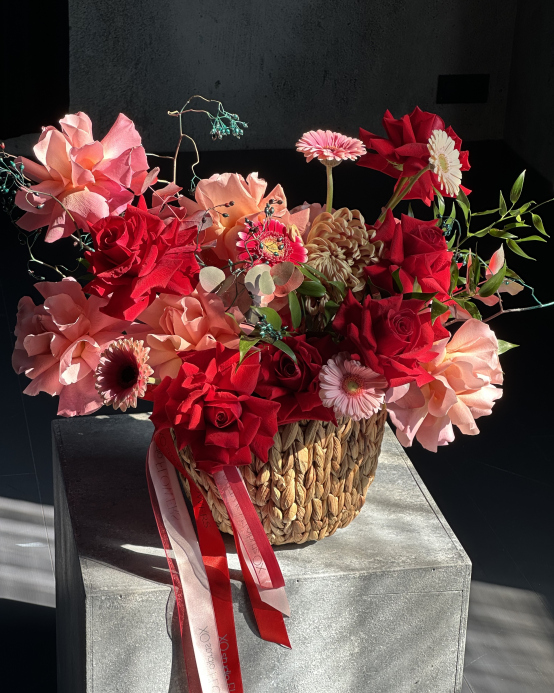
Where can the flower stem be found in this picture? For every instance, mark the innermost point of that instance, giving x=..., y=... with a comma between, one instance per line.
x=329, y=203
x=401, y=192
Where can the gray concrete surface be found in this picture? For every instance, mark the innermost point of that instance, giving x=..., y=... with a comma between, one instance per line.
x=288, y=67
x=380, y=606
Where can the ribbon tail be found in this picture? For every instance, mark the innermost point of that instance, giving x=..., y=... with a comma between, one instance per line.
x=193, y=579
x=214, y=557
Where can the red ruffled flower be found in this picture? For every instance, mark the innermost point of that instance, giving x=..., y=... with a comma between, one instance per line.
x=295, y=386
x=211, y=407
x=404, y=151
x=390, y=335
x=419, y=250
x=137, y=256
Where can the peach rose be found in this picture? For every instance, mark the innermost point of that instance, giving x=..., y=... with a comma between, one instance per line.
x=250, y=200
x=194, y=322
x=59, y=344
x=466, y=370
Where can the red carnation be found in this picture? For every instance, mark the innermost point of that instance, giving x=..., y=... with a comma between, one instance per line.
x=390, y=335
x=404, y=151
x=294, y=385
x=211, y=408
x=137, y=256
x=418, y=249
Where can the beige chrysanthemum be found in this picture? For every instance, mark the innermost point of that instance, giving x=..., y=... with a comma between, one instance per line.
x=339, y=246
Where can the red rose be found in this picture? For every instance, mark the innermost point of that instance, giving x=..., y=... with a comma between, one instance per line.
x=404, y=152
x=294, y=385
x=137, y=256
x=419, y=250
x=211, y=408
x=390, y=335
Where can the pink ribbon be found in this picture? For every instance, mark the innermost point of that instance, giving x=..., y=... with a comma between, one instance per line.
x=192, y=573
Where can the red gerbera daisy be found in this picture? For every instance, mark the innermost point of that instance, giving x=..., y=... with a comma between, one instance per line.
x=270, y=242
x=122, y=374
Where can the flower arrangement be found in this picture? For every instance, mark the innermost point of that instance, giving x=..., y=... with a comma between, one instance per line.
x=322, y=314
x=236, y=315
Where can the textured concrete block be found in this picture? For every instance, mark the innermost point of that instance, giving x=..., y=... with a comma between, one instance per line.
x=381, y=606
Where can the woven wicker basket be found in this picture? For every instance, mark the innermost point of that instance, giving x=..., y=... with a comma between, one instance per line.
x=315, y=481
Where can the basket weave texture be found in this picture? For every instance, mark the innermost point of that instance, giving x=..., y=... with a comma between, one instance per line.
x=314, y=482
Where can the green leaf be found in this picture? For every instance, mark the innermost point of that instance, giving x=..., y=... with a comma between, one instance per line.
x=311, y=272
x=440, y=201
x=272, y=316
x=454, y=275
x=513, y=246
x=505, y=346
x=470, y=307
x=532, y=238
x=510, y=273
x=410, y=210
x=482, y=214
x=493, y=283
x=285, y=349
x=397, y=281
x=295, y=310
x=480, y=234
x=474, y=272
x=451, y=242
x=517, y=187
x=437, y=309
x=502, y=205
x=340, y=286
x=420, y=296
x=516, y=225
x=315, y=289
x=452, y=213
x=245, y=344
x=499, y=233
x=86, y=263
x=435, y=211
x=537, y=223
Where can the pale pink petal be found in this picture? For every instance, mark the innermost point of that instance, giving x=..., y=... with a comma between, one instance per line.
x=435, y=432
x=48, y=381
x=77, y=128
x=32, y=169
x=80, y=398
x=122, y=136
x=88, y=156
x=52, y=150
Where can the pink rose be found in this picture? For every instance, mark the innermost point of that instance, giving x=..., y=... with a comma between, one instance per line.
x=59, y=344
x=176, y=324
x=92, y=179
x=465, y=373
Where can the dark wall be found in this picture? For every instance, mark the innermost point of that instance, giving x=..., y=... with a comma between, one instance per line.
x=35, y=65
x=530, y=110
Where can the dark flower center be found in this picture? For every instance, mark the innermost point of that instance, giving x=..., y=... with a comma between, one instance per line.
x=128, y=376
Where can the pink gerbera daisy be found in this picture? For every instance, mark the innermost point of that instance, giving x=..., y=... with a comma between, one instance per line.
x=270, y=242
x=122, y=373
x=329, y=146
x=351, y=389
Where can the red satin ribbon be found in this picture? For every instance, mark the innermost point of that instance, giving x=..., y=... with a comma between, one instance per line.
x=270, y=621
x=253, y=535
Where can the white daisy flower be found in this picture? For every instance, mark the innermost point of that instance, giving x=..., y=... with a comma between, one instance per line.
x=445, y=160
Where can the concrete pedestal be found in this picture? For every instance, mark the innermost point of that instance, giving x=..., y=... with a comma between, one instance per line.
x=381, y=606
